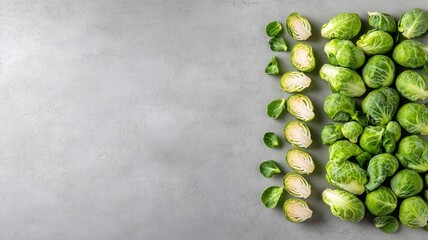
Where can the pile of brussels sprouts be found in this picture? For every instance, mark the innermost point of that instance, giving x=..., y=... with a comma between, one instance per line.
x=373, y=163
x=296, y=132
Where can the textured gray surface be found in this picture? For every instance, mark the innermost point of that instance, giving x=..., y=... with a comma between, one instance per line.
x=143, y=120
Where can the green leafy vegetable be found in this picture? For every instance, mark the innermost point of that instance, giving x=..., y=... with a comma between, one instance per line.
x=342, y=26
x=371, y=139
x=296, y=210
x=271, y=140
x=379, y=71
x=346, y=175
x=341, y=108
x=269, y=168
x=387, y=224
x=271, y=196
x=297, y=133
x=380, y=105
x=413, y=153
x=302, y=57
x=381, y=201
x=344, y=205
x=301, y=107
x=292, y=82
x=330, y=133
x=412, y=85
x=413, y=23
x=413, y=212
x=343, y=150
x=382, y=21
x=380, y=167
x=278, y=44
x=376, y=42
x=344, y=53
x=352, y=130
x=406, y=183
x=343, y=80
x=272, y=67
x=413, y=117
x=411, y=54
x=273, y=28
x=300, y=161
x=275, y=108
x=394, y=128
x=298, y=26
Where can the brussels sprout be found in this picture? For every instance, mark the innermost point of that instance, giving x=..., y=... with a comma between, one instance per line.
x=330, y=133
x=271, y=140
x=371, y=139
x=413, y=212
x=339, y=108
x=380, y=105
x=376, y=42
x=413, y=153
x=273, y=28
x=363, y=159
x=413, y=23
x=388, y=142
x=271, y=196
x=411, y=54
x=406, y=183
x=352, y=130
x=380, y=167
x=298, y=26
x=343, y=80
x=394, y=128
x=342, y=150
x=300, y=161
x=342, y=26
x=381, y=201
x=294, y=82
x=382, y=21
x=344, y=53
x=302, y=57
x=346, y=175
x=301, y=107
x=272, y=67
x=296, y=210
x=344, y=205
x=297, y=185
x=412, y=85
x=275, y=108
x=277, y=44
x=269, y=168
x=297, y=133
x=413, y=117
x=379, y=71
x=387, y=224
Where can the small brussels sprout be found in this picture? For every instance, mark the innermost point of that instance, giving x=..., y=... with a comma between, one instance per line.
x=394, y=128
x=343, y=150
x=376, y=42
x=339, y=108
x=413, y=23
x=344, y=205
x=412, y=85
x=406, y=183
x=387, y=224
x=302, y=57
x=343, y=80
x=346, y=175
x=380, y=105
x=275, y=108
x=269, y=168
x=344, y=53
x=371, y=139
x=298, y=26
x=352, y=130
x=300, y=161
x=379, y=71
x=296, y=210
x=297, y=133
x=413, y=117
x=273, y=28
x=381, y=201
x=271, y=196
x=413, y=212
x=411, y=54
x=301, y=107
x=292, y=82
x=342, y=26
x=271, y=140
x=277, y=44
x=330, y=133
x=382, y=21
x=296, y=185
x=380, y=167
x=412, y=153
x=272, y=67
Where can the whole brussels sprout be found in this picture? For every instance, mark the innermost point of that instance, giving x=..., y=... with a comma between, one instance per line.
x=298, y=26
x=376, y=42
x=302, y=57
x=387, y=224
x=380, y=167
x=300, y=161
x=297, y=133
x=413, y=117
x=344, y=53
x=406, y=183
x=413, y=212
x=343, y=80
x=411, y=54
x=330, y=133
x=379, y=71
x=294, y=81
x=346, y=175
x=382, y=21
x=300, y=106
x=380, y=105
x=342, y=26
x=343, y=150
x=413, y=153
x=412, y=85
x=371, y=139
x=352, y=130
x=339, y=108
x=413, y=23
x=381, y=201
x=344, y=205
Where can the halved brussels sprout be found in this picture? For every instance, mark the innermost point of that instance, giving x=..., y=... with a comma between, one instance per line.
x=380, y=105
x=381, y=201
x=413, y=23
x=376, y=42
x=406, y=183
x=371, y=139
x=387, y=224
x=302, y=57
x=346, y=175
x=380, y=167
x=297, y=133
x=301, y=107
x=344, y=53
x=292, y=82
x=343, y=80
x=342, y=26
x=379, y=71
x=411, y=54
x=296, y=210
x=344, y=205
x=298, y=26
x=296, y=185
x=412, y=85
x=413, y=212
x=300, y=161
x=382, y=21
x=352, y=130
x=413, y=117
x=343, y=150
x=413, y=153
x=330, y=133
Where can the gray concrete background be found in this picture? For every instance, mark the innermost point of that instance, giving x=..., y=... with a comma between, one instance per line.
x=143, y=120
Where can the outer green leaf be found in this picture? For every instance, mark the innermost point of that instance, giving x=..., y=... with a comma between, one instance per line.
x=387, y=224
x=278, y=44
x=272, y=67
x=273, y=28
x=344, y=205
x=271, y=196
x=275, y=108
x=269, y=168
x=271, y=140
